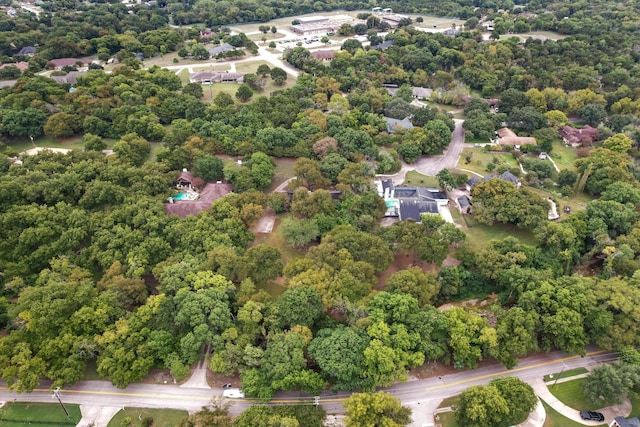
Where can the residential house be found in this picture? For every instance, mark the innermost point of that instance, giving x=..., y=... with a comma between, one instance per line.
x=70, y=78
x=184, y=179
x=464, y=204
x=578, y=137
x=410, y=203
x=451, y=32
x=209, y=77
x=19, y=65
x=394, y=125
x=421, y=92
x=58, y=64
x=383, y=46
x=206, y=34
x=220, y=49
x=625, y=422
x=27, y=51
x=392, y=19
x=507, y=176
x=508, y=137
x=324, y=55
x=210, y=193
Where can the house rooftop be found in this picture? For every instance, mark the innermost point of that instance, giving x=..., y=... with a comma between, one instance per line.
x=393, y=123
x=627, y=422
x=464, y=201
x=209, y=194
x=413, y=209
x=219, y=49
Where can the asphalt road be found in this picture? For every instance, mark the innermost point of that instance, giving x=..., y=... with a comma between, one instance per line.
x=423, y=396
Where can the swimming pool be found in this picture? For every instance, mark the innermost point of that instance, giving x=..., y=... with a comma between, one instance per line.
x=183, y=195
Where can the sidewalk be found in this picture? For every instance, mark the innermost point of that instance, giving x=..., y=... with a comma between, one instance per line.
x=542, y=390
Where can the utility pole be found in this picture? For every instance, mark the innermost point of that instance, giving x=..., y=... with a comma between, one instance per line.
x=56, y=393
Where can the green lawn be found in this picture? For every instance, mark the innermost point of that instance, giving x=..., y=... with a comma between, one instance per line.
x=478, y=235
x=555, y=419
x=565, y=374
x=570, y=393
x=480, y=160
x=417, y=179
x=564, y=156
x=161, y=417
x=448, y=419
x=269, y=36
x=20, y=414
x=577, y=202
x=635, y=406
x=284, y=171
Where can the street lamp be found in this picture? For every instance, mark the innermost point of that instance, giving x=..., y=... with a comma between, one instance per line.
x=56, y=393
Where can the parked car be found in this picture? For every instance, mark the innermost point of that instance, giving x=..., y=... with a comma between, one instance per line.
x=591, y=416
x=233, y=393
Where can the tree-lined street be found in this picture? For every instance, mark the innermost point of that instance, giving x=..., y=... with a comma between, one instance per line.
x=422, y=396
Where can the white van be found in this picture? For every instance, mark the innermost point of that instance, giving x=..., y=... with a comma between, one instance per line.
x=233, y=393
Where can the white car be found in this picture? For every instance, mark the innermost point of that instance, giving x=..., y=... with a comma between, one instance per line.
x=233, y=393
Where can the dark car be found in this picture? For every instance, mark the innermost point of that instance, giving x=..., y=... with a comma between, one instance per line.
x=592, y=416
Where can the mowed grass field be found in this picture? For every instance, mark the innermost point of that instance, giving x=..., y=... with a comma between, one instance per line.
x=20, y=414
x=570, y=393
x=161, y=417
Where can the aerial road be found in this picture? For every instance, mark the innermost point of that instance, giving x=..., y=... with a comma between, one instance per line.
x=423, y=396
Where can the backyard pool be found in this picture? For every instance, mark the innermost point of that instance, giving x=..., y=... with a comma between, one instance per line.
x=185, y=195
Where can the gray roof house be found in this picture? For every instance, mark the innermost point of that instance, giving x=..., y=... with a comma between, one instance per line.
x=27, y=50
x=625, y=422
x=413, y=209
x=384, y=45
x=220, y=49
x=392, y=124
x=71, y=77
x=464, y=204
x=410, y=202
x=507, y=176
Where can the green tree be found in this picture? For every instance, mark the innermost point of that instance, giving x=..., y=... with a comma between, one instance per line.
x=299, y=232
x=482, y=406
x=93, y=142
x=132, y=148
x=612, y=382
x=339, y=353
x=27, y=122
x=376, y=409
x=517, y=336
x=208, y=167
x=262, y=169
x=244, y=93
x=619, y=142
x=62, y=125
x=446, y=180
x=298, y=306
x=278, y=75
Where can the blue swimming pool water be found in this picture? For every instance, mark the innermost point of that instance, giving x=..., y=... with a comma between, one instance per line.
x=181, y=196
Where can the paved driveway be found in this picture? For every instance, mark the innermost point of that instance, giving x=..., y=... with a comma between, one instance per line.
x=431, y=165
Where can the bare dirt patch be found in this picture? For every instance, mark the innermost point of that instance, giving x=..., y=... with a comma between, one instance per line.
x=438, y=369
x=266, y=222
x=402, y=262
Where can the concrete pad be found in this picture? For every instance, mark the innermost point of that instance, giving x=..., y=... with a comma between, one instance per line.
x=97, y=416
x=536, y=417
x=198, y=379
x=445, y=213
